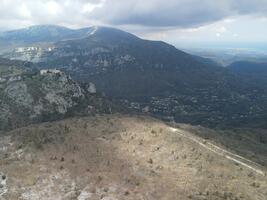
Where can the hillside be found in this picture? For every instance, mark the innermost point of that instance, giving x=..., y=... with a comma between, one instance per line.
x=38, y=36
x=14, y=67
x=123, y=157
x=110, y=53
x=164, y=81
x=133, y=100
x=154, y=77
x=252, y=68
x=31, y=97
x=254, y=72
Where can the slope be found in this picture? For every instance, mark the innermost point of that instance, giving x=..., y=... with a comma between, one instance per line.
x=119, y=157
x=31, y=97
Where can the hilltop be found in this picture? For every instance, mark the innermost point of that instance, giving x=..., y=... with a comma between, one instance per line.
x=124, y=157
x=32, y=97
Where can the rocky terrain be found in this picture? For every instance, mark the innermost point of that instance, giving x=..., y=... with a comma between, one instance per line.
x=60, y=138
x=43, y=96
x=13, y=67
x=124, y=157
x=150, y=76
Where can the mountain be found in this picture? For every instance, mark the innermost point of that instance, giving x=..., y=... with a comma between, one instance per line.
x=160, y=79
x=43, y=33
x=63, y=134
x=154, y=77
x=38, y=38
x=31, y=97
x=128, y=157
x=132, y=65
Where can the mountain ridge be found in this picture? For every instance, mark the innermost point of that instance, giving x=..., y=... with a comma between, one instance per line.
x=155, y=77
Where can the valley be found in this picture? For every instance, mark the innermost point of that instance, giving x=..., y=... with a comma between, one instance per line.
x=99, y=113
x=149, y=76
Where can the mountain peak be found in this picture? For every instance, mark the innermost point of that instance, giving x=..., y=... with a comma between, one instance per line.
x=93, y=30
x=55, y=33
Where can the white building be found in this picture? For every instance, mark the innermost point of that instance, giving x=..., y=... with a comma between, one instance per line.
x=50, y=71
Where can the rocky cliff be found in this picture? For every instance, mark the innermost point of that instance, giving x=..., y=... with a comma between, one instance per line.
x=43, y=96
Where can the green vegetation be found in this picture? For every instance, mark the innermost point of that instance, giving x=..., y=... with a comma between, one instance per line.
x=9, y=70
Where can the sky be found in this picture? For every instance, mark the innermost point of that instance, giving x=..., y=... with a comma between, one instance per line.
x=194, y=23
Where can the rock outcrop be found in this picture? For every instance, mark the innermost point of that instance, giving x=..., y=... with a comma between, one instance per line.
x=37, y=97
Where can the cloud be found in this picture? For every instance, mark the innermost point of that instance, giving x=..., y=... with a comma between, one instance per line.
x=18, y=13
x=183, y=13
x=144, y=13
x=178, y=13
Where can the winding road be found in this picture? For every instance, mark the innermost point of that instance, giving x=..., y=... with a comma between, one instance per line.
x=221, y=152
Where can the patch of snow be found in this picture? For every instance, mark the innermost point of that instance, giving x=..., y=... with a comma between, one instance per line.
x=3, y=184
x=50, y=187
x=84, y=195
x=95, y=28
x=173, y=129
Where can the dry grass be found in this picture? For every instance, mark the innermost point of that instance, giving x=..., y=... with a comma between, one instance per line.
x=120, y=157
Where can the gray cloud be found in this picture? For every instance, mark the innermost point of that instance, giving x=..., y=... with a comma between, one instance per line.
x=20, y=13
x=178, y=13
x=149, y=13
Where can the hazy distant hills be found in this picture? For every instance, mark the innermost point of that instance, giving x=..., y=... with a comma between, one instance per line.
x=226, y=57
x=148, y=76
x=42, y=33
x=255, y=72
x=40, y=37
x=246, y=67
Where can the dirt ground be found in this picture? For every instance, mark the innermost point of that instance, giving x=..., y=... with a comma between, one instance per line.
x=119, y=157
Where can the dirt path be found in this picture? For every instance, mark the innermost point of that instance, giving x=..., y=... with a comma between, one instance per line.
x=222, y=152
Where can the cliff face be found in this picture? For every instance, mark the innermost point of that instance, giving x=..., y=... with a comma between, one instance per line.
x=50, y=95
x=33, y=97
